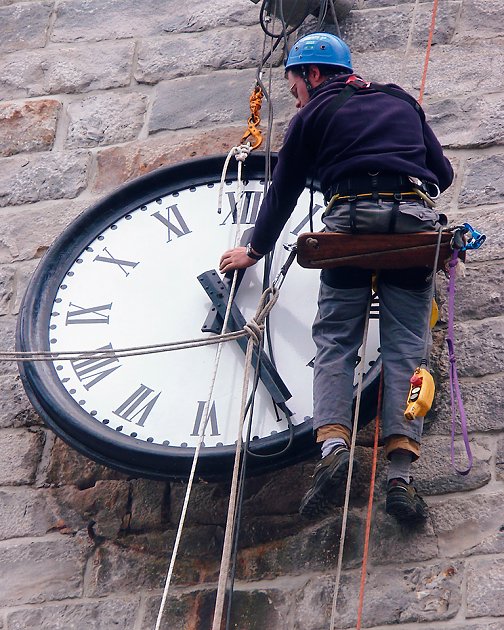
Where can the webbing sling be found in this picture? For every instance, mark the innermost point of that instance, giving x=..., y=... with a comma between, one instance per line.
x=354, y=84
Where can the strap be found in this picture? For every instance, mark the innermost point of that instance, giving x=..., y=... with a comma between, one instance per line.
x=353, y=214
x=393, y=215
x=454, y=383
x=355, y=84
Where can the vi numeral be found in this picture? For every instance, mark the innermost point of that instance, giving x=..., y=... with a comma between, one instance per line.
x=212, y=418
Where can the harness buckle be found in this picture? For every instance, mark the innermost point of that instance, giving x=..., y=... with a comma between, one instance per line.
x=357, y=82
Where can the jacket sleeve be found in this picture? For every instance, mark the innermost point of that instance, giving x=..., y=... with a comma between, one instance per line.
x=435, y=159
x=288, y=182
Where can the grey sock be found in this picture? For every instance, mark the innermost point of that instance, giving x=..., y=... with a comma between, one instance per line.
x=399, y=466
x=330, y=444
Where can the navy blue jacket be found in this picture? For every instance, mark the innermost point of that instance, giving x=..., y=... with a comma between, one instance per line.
x=372, y=131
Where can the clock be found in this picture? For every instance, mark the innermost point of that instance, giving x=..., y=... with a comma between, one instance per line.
x=138, y=269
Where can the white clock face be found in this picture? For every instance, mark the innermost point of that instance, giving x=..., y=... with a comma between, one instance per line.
x=137, y=284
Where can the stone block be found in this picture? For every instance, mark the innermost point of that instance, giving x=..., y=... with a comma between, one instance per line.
x=148, y=504
x=469, y=525
x=479, y=20
x=377, y=28
x=29, y=126
x=485, y=588
x=116, y=165
x=180, y=610
x=24, y=26
x=489, y=220
x=67, y=466
x=97, y=615
x=483, y=121
x=222, y=102
x=24, y=272
x=483, y=403
x=27, y=232
x=479, y=293
x=21, y=451
x=105, y=119
x=392, y=542
x=97, y=19
x=43, y=570
x=393, y=596
x=188, y=54
x=433, y=471
x=7, y=274
x=103, y=509
x=387, y=27
x=7, y=337
x=313, y=548
x=499, y=459
x=448, y=77
x=482, y=183
x=39, y=177
x=16, y=410
x=24, y=512
x=66, y=69
x=120, y=566
x=479, y=346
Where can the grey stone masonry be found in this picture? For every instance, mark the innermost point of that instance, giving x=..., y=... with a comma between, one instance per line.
x=95, y=93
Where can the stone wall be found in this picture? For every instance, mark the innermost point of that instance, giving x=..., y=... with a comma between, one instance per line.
x=96, y=92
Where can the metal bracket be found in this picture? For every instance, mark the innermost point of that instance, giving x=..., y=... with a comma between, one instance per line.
x=219, y=294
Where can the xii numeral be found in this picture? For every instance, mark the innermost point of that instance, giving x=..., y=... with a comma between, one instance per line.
x=212, y=418
x=250, y=207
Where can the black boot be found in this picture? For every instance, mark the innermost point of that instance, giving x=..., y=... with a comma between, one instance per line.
x=404, y=502
x=329, y=481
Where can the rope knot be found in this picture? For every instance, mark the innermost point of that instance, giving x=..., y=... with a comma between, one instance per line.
x=254, y=330
x=242, y=152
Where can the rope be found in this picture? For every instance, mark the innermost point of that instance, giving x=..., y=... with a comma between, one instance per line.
x=240, y=156
x=266, y=304
x=427, y=52
x=369, y=516
x=350, y=469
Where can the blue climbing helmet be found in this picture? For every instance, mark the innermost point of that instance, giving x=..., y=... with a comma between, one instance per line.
x=320, y=48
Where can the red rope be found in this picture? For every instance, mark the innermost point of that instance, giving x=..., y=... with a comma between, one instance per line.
x=367, y=535
x=427, y=52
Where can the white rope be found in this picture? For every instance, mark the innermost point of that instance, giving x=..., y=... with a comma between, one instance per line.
x=206, y=415
x=337, y=579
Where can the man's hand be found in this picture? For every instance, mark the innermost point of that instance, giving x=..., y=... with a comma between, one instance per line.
x=235, y=259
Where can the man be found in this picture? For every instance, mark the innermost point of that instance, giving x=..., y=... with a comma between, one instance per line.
x=362, y=147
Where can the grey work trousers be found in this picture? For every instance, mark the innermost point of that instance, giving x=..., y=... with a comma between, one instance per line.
x=339, y=325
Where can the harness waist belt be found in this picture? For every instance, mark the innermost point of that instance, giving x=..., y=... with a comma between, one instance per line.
x=366, y=184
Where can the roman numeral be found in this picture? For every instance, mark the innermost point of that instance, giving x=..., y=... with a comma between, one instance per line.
x=93, y=370
x=306, y=221
x=80, y=313
x=134, y=407
x=199, y=418
x=174, y=221
x=250, y=207
x=116, y=261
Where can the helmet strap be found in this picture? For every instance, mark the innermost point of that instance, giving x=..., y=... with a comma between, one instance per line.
x=304, y=75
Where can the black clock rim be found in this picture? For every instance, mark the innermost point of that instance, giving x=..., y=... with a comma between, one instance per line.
x=65, y=417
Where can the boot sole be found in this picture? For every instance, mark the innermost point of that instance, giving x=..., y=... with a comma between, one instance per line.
x=404, y=510
x=328, y=491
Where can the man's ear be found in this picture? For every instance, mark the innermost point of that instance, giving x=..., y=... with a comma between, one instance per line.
x=314, y=73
